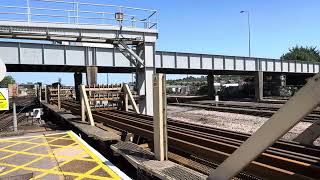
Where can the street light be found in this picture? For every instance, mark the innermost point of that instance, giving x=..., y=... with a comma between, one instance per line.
x=248, y=15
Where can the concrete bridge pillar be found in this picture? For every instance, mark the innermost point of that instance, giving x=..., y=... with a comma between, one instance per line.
x=258, y=85
x=77, y=81
x=91, y=75
x=211, y=89
x=144, y=82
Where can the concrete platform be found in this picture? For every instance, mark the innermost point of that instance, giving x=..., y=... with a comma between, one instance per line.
x=53, y=156
x=144, y=160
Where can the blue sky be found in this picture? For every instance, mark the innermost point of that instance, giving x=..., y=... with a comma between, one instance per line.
x=217, y=27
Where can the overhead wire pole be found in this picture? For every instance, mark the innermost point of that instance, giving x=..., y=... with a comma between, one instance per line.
x=28, y=11
x=249, y=30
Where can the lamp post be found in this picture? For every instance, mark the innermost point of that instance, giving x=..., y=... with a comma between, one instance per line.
x=249, y=40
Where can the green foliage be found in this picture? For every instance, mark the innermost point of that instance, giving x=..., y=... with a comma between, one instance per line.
x=7, y=80
x=310, y=54
x=190, y=80
x=202, y=80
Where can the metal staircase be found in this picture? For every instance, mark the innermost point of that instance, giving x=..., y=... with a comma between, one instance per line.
x=129, y=53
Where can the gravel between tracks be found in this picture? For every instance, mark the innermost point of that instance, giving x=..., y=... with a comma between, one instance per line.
x=229, y=121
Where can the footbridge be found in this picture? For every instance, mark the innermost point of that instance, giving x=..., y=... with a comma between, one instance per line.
x=32, y=57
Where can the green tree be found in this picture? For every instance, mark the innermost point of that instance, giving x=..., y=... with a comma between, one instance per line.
x=310, y=54
x=7, y=80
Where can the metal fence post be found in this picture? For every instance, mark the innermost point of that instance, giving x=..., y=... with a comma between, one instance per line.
x=83, y=112
x=15, y=121
x=46, y=93
x=59, y=100
x=40, y=93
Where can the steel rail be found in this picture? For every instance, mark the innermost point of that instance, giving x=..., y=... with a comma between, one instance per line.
x=273, y=151
x=306, y=169
x=222, y=150
x=243, y=110
x=255, y=168
x=288, y=148
x=258, y=106
x=310, y=152
x=6, y=119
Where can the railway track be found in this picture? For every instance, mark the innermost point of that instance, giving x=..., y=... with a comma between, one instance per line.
x=284, y=160
x=6, y=117
x=246, y=108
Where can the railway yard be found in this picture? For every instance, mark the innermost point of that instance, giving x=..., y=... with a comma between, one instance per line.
x=24, y=104
x=266, y=125
x=196, y=144
x=201, y=135
x=242, y=123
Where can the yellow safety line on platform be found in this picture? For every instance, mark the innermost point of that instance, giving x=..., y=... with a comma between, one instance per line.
x=103, y=166
x=4, y=149
x=54, y=170
x=25, y=142
x=23, y=151
x=88, y=172
x=20, y=142
x=21, y=166
x=60, y=164
x=42, y=155
x=35, y=136
x=57, y=172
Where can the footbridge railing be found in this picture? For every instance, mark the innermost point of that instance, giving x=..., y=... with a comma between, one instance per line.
x=75, y=12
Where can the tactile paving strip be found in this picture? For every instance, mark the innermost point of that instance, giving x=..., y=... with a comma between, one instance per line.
x=51, y=156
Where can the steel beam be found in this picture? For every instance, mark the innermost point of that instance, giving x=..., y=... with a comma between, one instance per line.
x=31, y=57
x=299, y=106
x=130, y=54
x=128, y=95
